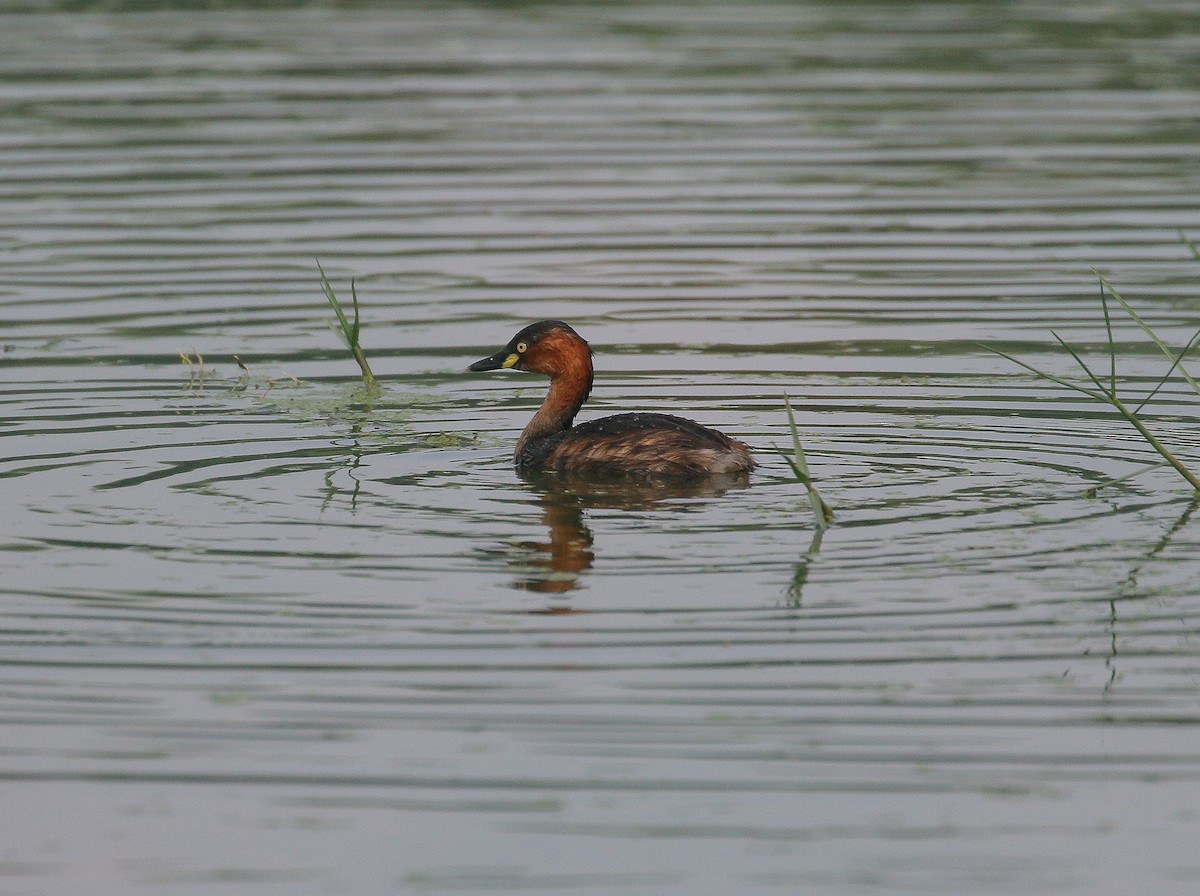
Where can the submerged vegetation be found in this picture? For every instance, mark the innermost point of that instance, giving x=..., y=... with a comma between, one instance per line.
x=196, y=370
x=1103, y=387
x=200, y=375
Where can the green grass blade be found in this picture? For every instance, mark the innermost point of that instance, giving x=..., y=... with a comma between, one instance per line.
x=1190, y=245
x=1099, y=396
x=1108, y=394
x=1148, y=331
x=1091, y=492
x=354, y=329
x=800, y=460
x=1112, y=349
x=800, y=474
x=821, y=510
x=349, y=332
x=345, y=330
x=1112, y=399
x=1158, y=446
x=1080, y=362
x=1187, y=348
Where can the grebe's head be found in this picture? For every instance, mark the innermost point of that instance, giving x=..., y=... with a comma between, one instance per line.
x=549, y=346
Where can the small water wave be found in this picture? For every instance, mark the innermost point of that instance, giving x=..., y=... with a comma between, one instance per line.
x=246, y=603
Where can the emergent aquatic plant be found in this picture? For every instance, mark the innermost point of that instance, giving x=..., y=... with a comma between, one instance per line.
x=822, y=511
x=1104, y=388
x=349, y=331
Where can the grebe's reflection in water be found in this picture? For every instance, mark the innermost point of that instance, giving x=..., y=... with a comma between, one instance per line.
x=558, y=565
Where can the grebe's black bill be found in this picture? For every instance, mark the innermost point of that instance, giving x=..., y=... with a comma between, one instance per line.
x=503, y=359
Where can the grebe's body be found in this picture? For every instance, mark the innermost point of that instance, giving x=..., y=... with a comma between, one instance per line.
x=622, y=445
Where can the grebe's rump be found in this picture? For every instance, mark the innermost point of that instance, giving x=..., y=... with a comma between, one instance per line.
x=622, y=445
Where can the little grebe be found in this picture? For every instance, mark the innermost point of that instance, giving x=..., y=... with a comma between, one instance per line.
x=624, y=444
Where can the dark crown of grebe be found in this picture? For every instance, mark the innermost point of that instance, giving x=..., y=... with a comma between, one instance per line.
x=645, y=445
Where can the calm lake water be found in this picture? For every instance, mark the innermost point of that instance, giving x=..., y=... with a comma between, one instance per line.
x=263, y=633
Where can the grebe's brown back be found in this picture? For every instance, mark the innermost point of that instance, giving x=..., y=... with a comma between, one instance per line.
x=624, y=444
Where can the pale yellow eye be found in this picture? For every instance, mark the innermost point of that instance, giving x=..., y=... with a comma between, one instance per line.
x=521, y=348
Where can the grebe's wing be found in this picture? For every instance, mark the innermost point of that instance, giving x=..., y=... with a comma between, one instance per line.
x=648, y=444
